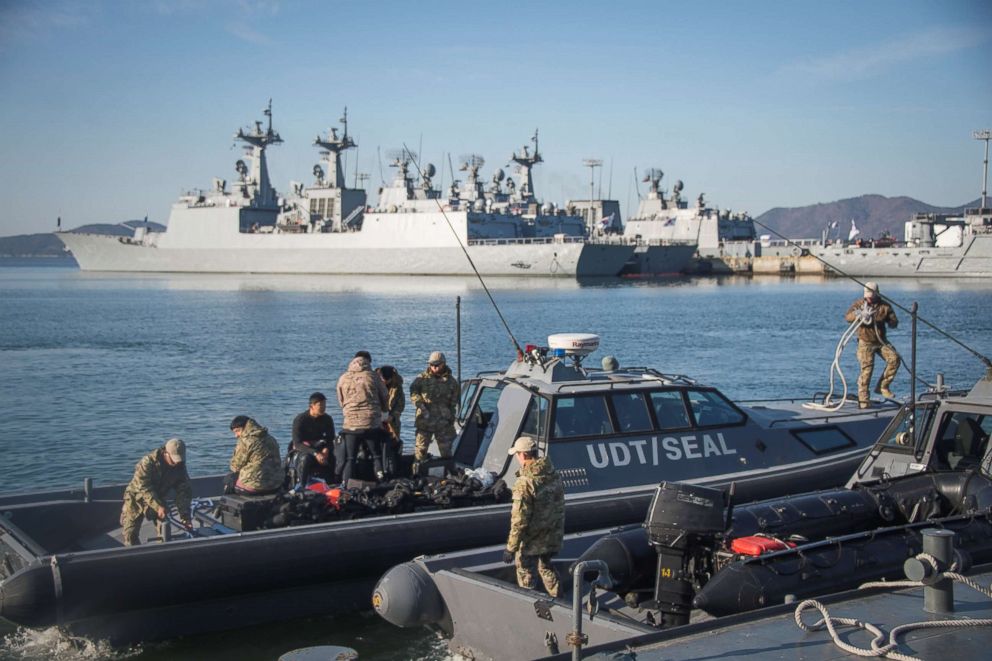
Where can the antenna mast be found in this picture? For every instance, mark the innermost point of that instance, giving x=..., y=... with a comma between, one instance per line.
x=985, y=135
x=592, y=164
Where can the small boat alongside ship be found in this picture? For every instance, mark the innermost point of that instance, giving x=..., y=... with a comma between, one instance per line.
x=696, y=554
x=327, y=228
x=613, y=436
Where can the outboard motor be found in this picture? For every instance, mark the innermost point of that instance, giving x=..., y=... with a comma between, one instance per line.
x=683, y=524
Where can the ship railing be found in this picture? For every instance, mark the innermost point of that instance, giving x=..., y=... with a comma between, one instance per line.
x=523, y=241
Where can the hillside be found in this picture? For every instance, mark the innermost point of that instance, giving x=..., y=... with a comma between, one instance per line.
x=47, y=245
x=873, y=215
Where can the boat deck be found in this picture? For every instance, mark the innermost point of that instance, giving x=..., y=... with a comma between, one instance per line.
x=773, y=633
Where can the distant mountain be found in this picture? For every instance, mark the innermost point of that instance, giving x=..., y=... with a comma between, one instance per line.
x=873, y=215
x=47, y=245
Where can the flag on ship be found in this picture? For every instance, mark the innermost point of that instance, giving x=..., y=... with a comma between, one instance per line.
x=854, y=231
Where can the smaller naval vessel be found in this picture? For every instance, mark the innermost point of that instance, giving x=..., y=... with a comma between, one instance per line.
x=327, y=227
x=612, y=434
x=724, y=240
x=698, y=554
x=934, y=245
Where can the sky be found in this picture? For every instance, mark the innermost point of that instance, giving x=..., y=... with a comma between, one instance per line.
x=111, y=110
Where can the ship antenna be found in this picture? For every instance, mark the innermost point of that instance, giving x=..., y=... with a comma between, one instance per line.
x=985, y=360
x=516, y=345
x=985, y=135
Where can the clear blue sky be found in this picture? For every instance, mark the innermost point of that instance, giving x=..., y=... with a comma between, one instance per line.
x=111, y=109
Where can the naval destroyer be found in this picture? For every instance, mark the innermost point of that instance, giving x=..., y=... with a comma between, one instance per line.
x=327, y=228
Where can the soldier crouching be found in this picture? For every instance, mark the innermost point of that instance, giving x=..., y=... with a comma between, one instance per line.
x=157, y=473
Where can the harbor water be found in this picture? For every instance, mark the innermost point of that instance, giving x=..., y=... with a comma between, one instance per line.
x=99, y=368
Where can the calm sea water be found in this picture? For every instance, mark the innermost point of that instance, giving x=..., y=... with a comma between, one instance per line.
x=97, y=369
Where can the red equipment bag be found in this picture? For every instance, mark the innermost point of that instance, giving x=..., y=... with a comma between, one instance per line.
x=757, y=545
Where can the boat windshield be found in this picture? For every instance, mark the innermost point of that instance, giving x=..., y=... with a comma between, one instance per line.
x=963, y=441
x=899, y=434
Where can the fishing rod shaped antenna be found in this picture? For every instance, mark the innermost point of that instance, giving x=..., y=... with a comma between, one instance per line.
x=516, y=345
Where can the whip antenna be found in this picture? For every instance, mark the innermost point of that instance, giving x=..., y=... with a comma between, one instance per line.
x=516, y=345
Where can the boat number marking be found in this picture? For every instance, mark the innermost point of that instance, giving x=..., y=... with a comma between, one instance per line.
x=649, y=451
x=666, y=572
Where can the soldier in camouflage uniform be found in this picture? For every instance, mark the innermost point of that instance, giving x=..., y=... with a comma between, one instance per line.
x=158, y=473
x=256, y=459
x=871, y=341
x=395, y=403
x=537, y=520
x=435, y=393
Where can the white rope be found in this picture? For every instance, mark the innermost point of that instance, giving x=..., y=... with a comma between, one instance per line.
x=879, y=647
x=835, y=367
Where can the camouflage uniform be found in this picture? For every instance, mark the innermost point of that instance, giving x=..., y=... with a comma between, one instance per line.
x=436, y=418
x=395, y=403
x=256, y=460
x=871, y=341
x=537, y=523
x=145, y=493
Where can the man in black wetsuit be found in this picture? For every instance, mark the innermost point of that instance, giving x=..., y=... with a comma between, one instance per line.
x=310, y=428
x=316, y=464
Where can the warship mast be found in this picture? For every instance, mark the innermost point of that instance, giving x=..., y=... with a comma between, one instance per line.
x=258, y=140
x=526, y=161
x=331, y=144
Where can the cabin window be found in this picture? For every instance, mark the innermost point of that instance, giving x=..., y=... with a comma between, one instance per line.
x=631, y=411
x=828, y=439
x=899, y=435
x=669, y=409
x=468, y=393
x=581, y=416
x=711, y=408
x=964, y=439
x=478, y=426
x=536, y=422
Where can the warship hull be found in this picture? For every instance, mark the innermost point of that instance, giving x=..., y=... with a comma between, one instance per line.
x=339, y=254
x=973, y=260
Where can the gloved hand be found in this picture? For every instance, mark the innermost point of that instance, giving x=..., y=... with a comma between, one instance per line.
x=508, y=556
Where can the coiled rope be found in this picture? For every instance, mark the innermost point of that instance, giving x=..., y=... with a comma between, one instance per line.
x=879, y=646
x=851, y=331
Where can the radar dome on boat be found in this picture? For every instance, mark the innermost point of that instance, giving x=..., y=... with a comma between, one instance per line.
x=574, y=344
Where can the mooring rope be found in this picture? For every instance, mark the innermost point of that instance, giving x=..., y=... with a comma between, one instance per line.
x=879, y=646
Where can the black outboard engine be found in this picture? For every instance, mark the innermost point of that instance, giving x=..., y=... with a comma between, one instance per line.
x=683, y=524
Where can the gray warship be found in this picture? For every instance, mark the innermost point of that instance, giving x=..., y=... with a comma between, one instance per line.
x=933, y=245
x=723, y=239
x=326, y=228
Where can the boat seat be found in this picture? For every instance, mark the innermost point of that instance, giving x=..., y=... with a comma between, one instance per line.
x=969, y=445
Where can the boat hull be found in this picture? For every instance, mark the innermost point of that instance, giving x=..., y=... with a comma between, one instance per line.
x=335, y=254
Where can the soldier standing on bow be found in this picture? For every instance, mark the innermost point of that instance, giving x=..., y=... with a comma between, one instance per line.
x=875, y=315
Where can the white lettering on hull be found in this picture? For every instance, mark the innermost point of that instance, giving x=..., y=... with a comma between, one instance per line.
x=673, y=448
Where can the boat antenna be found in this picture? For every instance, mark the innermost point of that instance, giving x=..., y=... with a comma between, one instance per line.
x=637, y=186
x=985, y=360
x=516, y=345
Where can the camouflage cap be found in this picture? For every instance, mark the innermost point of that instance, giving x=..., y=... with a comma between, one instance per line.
x=523, y=444
x=176, y=449
x=437, y=358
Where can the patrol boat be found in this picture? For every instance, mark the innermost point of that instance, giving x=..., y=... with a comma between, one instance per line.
x=612, y=435
x=326, y=228
x=931, y=468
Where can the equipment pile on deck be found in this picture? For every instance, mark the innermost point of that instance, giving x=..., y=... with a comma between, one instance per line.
x=320, y=503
